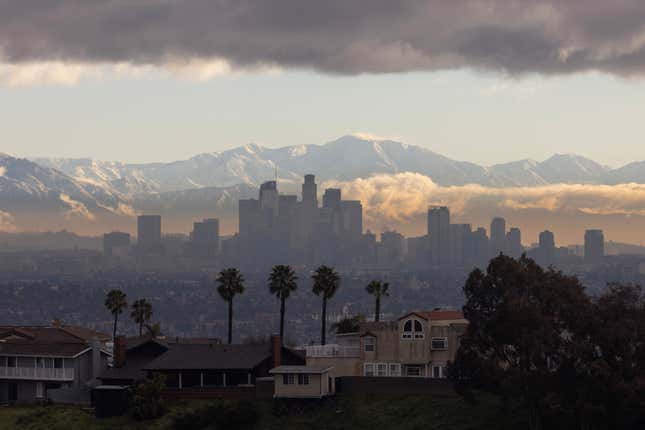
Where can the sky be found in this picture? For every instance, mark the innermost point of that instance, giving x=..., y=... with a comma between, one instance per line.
x=483, y=81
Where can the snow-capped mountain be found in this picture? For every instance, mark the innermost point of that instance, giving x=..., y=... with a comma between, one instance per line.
x=210, y=184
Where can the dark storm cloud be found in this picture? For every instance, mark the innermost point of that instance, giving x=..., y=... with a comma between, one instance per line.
x=336, y=36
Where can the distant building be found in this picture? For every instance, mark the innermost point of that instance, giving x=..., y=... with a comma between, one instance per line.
x=498, y=236
x=149, y=233
x=205, y=238
x=594, y=246
x=269, y=197
x=514, y=242
x=546, y=248
x=439, y=232
x=460, y=244
x=331, y=198
x=481, y=247
x=352, y=218
x=115, y=243
x=391, y=248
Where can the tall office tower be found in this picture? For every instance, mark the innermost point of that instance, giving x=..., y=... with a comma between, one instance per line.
x=594, y=246
x=546, y=248
x=115, y=243
x=498, y=236
x=439, y=232
x=460, y=243
x=514, y=242
x=248, y=217
x=481, y=247
x=149, y=232
x=331, y=198
x=205, y=238
x=310, y=192
x=269, y=197
x=391, y=249
x=352, y=219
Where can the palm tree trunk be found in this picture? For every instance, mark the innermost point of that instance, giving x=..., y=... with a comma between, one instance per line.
x=230, y=321
x=324, y=321
x=282, y=300
x=377, y=310
x=140, y=329
x=116, y=317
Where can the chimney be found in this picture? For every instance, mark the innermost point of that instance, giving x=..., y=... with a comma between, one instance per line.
x=276, y=350
x=119, y=351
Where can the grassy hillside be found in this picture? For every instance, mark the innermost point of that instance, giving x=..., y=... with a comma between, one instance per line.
x=364, y=412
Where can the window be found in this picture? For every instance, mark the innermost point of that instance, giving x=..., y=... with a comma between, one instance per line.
x=412, y=329
x=413, y=371
x=12, y=362
x=381, y=369
x=395, y=369
x=58, y=363
x=439, y=343
x=288, y=379
x=3, y=361
x=303, y=379
x=437, y=372
x=370, y=344
x=40, y=390
x=368, y=369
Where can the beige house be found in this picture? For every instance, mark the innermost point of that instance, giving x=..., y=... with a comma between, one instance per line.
x=419, y=344
x=303, y=382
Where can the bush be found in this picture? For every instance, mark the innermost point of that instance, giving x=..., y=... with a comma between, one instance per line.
x=219, y=415
x=146, y=402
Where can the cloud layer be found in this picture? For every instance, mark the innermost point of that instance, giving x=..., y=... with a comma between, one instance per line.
x=401, y=201
x=334, y=36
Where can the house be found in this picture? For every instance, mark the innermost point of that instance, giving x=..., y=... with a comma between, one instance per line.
x=419, y=344
x=204, y=367
x=303, y=382
x=131, y=355
x=37, y=361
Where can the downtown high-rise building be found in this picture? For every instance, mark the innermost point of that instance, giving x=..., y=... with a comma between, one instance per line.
x=498, y=236
x=594, y=246
x=205, y=238
x=546, y=248
x=514, y=242
x=439, y=235
x=149, y=233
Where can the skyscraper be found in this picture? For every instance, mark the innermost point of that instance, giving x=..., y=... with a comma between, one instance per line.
x=498, y=236
x=269, y=197
x=514, y=242
x=115, y=240
x=546, y=248
x=439, y=232
x=310, y=192
x=149, y=232
x=352, y=219
x=460, y=243
x=205, y=238
x=594, y=246
x=481, y=247
x=331, y=198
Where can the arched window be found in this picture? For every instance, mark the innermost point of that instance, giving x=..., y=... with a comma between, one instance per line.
x=412, y=329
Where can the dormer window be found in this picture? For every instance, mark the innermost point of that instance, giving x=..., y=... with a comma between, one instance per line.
x=412, y=329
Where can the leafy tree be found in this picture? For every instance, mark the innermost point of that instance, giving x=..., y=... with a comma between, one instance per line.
x=282, y=282
x=115, y=302
x=141, y=313
x=524, y=323
x=378, y=289
x=326, y=283
x=231, y=283
x=147, y=402
x=347, y=325
x=154, y=330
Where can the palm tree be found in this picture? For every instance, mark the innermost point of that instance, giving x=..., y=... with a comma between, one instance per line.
x=378, y=289
x=230, y=283
x=141, y=313
x=154, y=330
x=115, y=302
x=282, y=282
x=326, y=283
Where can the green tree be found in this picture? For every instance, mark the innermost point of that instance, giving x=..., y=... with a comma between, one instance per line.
x=154, y=330
x=115, y=302
x=326, y=283
x=378, y=289
x=347, y=325
x=524, y=324
x=231, y=283
x=141, y=313
x=282, y=282
x=147, y=402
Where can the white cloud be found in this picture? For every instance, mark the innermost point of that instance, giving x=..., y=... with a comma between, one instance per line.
x=7, y=222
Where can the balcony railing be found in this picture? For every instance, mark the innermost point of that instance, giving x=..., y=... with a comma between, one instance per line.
x=41, y=374
x=332, y=351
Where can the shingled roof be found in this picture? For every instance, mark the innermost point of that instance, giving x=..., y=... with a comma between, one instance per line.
x=211, y=357
x=53, y=341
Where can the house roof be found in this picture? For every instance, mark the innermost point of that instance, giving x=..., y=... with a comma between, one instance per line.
x=300, y=369
x=53, y=341
x=437, y=315
x=211, y=356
